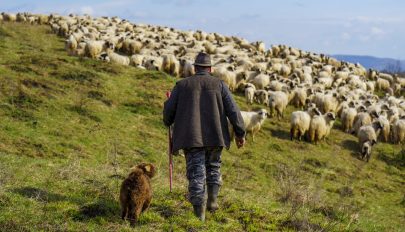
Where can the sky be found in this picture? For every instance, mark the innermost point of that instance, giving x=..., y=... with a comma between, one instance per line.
x=355, y=27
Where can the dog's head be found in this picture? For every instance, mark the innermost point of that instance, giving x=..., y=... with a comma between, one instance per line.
x=148, y=169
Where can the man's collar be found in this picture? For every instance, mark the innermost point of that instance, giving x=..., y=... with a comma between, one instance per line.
x=203, y=72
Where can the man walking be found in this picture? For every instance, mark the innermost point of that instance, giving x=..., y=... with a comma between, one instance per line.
x=199, y=107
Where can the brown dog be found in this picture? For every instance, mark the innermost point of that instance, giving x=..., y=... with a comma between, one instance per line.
x=136, y=192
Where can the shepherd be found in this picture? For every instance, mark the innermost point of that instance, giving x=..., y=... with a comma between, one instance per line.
x=199, y=107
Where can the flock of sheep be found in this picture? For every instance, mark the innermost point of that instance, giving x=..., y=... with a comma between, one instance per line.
x=325, y=87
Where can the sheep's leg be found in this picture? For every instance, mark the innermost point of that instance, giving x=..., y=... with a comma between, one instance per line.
x=124, y=211
x=291, y=134
x=311, y=136
x=131, y=212
x=146, y=205
x=136, y=212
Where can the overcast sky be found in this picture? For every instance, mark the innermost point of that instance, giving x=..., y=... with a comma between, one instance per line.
x=357, y=27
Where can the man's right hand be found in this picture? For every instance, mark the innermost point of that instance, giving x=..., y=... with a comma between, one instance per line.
x=240, y=142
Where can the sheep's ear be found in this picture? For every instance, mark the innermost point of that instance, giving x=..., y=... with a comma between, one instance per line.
x=147, y=168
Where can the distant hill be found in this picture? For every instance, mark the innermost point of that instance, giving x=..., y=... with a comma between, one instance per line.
x=372, y=62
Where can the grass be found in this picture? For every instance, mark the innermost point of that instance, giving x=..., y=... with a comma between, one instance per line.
x=71, y=129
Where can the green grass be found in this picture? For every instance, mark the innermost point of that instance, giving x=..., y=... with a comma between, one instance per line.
x=71, y=128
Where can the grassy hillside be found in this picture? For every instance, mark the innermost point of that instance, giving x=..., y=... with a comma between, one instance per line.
x=71, y=128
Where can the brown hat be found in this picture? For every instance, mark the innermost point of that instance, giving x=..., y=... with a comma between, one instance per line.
x=203, y=59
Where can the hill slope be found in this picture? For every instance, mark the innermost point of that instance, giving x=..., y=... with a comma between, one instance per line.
x=71, y=128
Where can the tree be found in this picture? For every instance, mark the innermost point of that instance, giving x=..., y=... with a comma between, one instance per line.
x=394, y=67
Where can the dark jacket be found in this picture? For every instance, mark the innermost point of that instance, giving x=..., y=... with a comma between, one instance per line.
x=199, y=107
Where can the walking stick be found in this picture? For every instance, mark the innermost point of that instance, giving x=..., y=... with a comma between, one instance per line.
x=170, y=151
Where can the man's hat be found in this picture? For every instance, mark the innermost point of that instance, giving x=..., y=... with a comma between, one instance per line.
x=203, y=59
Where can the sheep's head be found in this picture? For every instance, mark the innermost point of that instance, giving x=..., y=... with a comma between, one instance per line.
x=366, y=148
x=361, y=108
x=104, y=57
x=378, y=125
x=385, y=107
x=368, y=102
x=331, y=116
x=148, y=169
x=263, y=113
x=374, y=114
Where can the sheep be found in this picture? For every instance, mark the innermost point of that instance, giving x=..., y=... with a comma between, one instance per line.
x=153, y=63
x=94, y=48
x=261, y=81
x=186, y=68
x=275, y=85
x=385, y=132
x=260, y=46
x=70, y=45
x=370, y=86
x=21, y=17
x=347, y=118
x=386, y=76
x=137, y=60
x=171, y=65
x=369, y=132
x=285, y=70
x=9, y=17
x=261, y=96
x=131, y=46
x=320, y=127
x=300, y=122
x=382, y=84
x=299, y=97
x=361, y=119
x=398, y=131
x=278, y=101
x=366, y=149
x=253, y=121
x=232, y=79
x=249, y=93
x=115, y=58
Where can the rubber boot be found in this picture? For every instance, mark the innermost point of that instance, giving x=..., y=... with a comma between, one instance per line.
x=199, y=211
x=212, y=203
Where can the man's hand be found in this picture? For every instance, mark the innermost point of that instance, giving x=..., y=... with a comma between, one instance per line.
x=240, y=142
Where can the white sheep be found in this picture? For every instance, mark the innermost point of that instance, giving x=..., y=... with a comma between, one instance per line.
x=94, y=48
x=9, y=17
x=382, y=84
x=398, y=131
x=153, y=63
x=299, y=97
x=369, y=132
x=115, y=58
x=253, y=121
x=261, y=96
x=232, y=79
x=320, y=126
x=249, y=93
x=385, y=132
x=300, y=122
x=171, y=65
x=137, y=60
x=347, y=118
x=261, y=81
x=366, y=149
x=278, y=101
x=361, y=119
x=186, y=68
